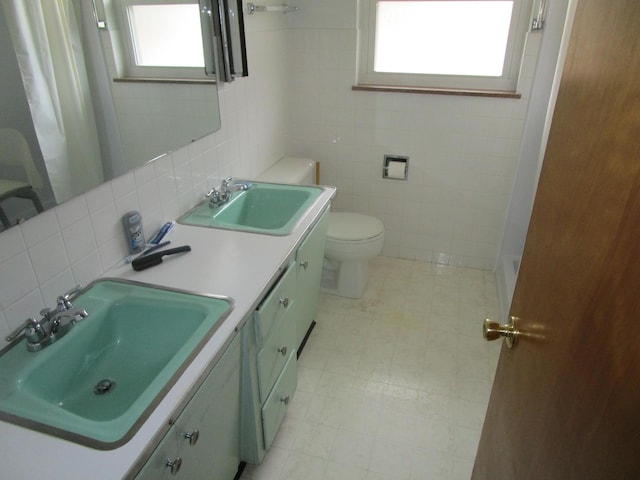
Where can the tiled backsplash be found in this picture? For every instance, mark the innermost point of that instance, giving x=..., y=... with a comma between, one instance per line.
x=81, y=239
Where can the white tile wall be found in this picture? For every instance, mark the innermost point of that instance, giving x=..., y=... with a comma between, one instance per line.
x=463, y=150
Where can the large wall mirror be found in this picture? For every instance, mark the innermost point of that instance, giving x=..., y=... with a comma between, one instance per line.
x=65, y=125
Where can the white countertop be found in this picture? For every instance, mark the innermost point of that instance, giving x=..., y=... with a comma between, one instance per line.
x=238, y=265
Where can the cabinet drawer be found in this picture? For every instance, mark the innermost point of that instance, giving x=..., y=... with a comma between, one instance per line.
x=275, y=352
x=275, y=305
x=277, y=404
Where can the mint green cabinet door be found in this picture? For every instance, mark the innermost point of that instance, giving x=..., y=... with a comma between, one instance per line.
x=278, y=303
x=277, y=404
x=273, y=356
x=158, y=466
x=204, y=441
x=309, y=260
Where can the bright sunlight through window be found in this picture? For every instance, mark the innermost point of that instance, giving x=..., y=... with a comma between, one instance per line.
x=442, y=37
x=166, y=35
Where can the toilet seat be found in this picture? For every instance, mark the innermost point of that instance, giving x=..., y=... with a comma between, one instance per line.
x=353, y=237
x=353, y=227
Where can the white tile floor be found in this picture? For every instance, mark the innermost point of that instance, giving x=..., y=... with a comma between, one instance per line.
x=393, y=386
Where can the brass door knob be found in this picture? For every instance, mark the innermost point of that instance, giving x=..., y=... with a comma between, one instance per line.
x=493, y=330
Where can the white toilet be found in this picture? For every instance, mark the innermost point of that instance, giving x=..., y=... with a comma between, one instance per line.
x=352, y=238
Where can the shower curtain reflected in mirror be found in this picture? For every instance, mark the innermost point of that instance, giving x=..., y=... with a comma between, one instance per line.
x=44, y=33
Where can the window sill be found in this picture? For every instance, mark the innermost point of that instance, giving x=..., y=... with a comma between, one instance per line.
x=438, y=91
x=177, y=81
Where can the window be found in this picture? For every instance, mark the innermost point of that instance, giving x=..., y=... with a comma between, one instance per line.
x=458, y=44
x=163, y=38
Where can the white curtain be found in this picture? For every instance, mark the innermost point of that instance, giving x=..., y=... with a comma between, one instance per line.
x=47, y=43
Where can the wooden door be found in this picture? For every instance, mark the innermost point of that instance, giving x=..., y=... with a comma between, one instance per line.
x=566, y=401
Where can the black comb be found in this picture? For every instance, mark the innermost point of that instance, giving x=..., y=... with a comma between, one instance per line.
x=142, y=263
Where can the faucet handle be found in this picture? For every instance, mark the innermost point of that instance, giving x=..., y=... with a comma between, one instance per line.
x=226, y=182
x=29, y=324
x=64, y=300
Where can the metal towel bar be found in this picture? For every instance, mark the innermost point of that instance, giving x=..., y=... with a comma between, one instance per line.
x=284, y=8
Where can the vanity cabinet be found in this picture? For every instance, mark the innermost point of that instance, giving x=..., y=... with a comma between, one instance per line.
x=277, y=403
x=309, y=262
x=276, y=365
x=203, y=441
x=269, y=368
x=270, y=345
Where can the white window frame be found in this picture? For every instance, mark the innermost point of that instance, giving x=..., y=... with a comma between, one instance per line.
x=132, y=69
x=520, y=22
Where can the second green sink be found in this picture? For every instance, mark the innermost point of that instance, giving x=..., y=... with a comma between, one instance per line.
x=96, y=385
x=267, y=208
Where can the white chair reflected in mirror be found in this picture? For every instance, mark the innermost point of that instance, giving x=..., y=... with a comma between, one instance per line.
x=15, y=155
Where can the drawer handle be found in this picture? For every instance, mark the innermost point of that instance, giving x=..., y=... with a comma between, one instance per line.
x=285, y=400
x=284, y=302
x=192, y=437
x=283, y=350
x=174, y=465
x=304, y=264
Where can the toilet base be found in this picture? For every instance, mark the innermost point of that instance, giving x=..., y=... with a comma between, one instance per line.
x=345, y=279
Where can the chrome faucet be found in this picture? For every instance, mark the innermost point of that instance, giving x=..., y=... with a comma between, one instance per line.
x=220, y=196
x=54, y=324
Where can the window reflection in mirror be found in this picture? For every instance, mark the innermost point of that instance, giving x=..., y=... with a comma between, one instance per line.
x=162, y=40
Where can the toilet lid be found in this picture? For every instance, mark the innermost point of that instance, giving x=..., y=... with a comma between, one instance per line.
x=353, y=226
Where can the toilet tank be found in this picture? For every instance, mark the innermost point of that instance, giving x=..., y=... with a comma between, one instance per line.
x=294, y=170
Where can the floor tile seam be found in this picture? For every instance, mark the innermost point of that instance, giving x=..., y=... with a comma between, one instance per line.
x=464, y=357
x=358, y=464
x=464, y=375
x=472, y=346
x=412, y=362
x=406, y=445
x=343, y=464
x=324, y=463
x=434, y=451
x=409, y=389
x=477, y=361
x=474, y=366
x=473, y=382
x=297, y=448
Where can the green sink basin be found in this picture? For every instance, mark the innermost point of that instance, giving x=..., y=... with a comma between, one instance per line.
x=266, y=208
x=98, y=383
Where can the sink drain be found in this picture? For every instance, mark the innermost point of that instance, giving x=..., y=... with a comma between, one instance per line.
x=104, y=386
